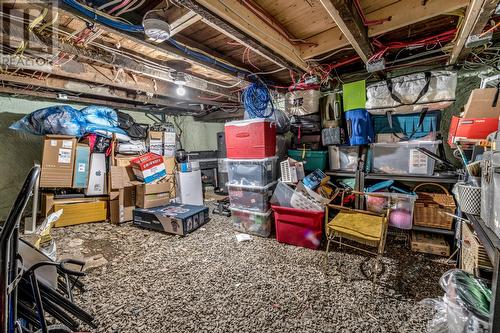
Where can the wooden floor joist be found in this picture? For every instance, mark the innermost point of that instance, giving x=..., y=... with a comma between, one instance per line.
x=233, y=19
x=402, y=13
x=477, y=16
x=348, y=20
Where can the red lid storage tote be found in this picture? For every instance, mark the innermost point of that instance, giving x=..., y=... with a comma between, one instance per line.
x=252, y=138
x=298, y=227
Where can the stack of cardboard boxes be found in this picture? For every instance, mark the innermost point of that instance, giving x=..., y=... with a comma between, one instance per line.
x=101, y=190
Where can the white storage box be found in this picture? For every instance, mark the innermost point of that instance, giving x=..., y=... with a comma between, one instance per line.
x=254, y=223
x=254, y=198
x=401, y=205
x=258, y=172
x=403, y=157
x=343, y=158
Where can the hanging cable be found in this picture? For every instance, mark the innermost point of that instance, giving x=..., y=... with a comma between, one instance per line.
x=257, y=99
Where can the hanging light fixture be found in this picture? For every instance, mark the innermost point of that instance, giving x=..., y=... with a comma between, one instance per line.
x=155, y=26
x=180, y=80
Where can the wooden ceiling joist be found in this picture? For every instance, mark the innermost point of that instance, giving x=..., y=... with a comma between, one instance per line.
x=139, y=39
x=128, y=64
x=233, y=19
x=402, y=13
x=97, y=91
x=184, y=22
x=51, y=96
x=348, y=20
x=476, y=17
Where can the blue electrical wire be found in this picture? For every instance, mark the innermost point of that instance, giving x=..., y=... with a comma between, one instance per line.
x=104, y=20
x=256, y=99
x=139, y=28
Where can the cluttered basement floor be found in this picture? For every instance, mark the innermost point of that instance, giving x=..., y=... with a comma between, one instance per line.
x=143, y=281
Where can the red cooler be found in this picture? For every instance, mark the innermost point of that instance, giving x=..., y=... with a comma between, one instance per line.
x=252, y=138
x=298, y=227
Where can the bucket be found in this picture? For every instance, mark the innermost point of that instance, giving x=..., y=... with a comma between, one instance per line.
x=469, y=198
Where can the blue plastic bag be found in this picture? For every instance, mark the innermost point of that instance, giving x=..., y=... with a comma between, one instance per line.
x=100, y=115
x=59, y=119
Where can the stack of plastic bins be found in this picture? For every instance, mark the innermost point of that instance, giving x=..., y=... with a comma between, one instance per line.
x=252, y=168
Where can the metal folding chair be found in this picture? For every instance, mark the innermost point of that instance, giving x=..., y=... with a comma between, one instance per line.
x=359, y=226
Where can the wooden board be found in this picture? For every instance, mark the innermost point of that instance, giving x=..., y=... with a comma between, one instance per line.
x=82, y=212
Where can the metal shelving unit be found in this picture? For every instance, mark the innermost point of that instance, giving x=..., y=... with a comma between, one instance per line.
x=491, y=244
x=434, y=230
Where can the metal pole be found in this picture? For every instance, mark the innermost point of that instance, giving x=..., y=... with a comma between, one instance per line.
x=30, y=227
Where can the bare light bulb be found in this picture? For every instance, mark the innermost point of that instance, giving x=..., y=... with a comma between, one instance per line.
x=181, y=91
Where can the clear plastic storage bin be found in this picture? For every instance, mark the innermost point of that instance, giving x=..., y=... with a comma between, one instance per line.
x=252, y=172
x=254, y=198
x=344, y=158
x=401, y=205
x=403, y=157
x=254, y=223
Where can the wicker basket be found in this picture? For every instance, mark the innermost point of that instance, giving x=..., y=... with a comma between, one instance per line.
x=430, y=208
x=473, y=253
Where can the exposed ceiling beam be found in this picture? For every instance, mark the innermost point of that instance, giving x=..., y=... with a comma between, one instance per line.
x=54, y=96
x=477, y=16
x=104, y=76
x=125, y=62
x=219, y=116
x=402, y=13
x=97, y=91
x=139, y=39
x=233, y=19
x=184, y=22
x=348, y=20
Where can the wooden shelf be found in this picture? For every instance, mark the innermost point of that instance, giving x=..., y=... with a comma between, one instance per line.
x=434, y=230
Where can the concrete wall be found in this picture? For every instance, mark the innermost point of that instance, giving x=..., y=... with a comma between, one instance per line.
x=18, y=151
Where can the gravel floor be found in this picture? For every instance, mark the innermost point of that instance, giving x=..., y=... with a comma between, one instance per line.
x=208, y=282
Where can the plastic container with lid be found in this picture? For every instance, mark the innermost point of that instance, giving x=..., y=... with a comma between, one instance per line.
x=255, y=223
x=254, y=198
x=401, y=205
x=312, y=159
x=258, y=172
x=251, y=138
x=403, y=157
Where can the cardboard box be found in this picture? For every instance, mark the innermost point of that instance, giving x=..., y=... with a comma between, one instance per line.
x=480, y=104
x=97, y=175
x=148, y=167
x=155, y=142
x=48, y=201
x=124, y=160
x=169, y=140
x=121, y=177
x=155, y=195
x=429, y=243
x=58, y=161
x=121, y=209
x=169, y=165
x=81, y=212
x=175, y=218
x=82, y=164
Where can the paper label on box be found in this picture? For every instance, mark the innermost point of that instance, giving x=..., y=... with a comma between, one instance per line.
x=169, y=138
x=81, y=167
x=53, y=143
x=418, y=162
x=64, y=156
x=67, y=144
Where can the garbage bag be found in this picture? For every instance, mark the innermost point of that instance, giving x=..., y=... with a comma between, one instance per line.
x=59, y=119
x=100, y=115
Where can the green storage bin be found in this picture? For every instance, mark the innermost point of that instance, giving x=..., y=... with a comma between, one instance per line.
x=313, y=159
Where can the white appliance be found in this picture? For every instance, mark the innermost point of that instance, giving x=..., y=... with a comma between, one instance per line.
x=97, y=175
x=189, y=187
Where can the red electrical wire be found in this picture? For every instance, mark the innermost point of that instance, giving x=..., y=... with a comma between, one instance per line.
x=123, y=4
x=366, y=22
